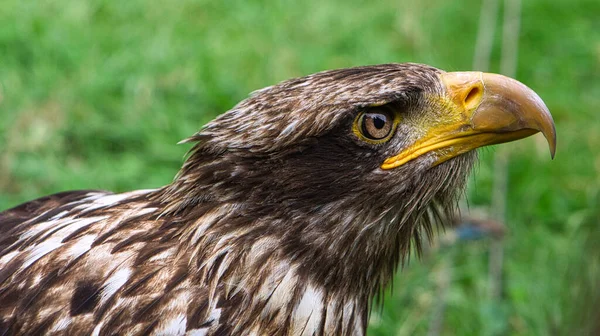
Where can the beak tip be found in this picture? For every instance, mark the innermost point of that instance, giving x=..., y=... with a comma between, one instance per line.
x=550, y=135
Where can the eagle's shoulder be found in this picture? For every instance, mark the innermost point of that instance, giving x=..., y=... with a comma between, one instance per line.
x=17, y=219
x=63, y=258
x=40, y=205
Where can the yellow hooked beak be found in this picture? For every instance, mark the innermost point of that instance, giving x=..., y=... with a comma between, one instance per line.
x=484, y=109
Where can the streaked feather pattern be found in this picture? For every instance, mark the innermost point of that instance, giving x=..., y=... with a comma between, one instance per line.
x=279, y=223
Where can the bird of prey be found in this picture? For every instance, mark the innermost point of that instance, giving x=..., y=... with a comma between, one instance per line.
x=291, y=212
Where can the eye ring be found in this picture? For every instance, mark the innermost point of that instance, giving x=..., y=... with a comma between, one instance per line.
x=376, y=125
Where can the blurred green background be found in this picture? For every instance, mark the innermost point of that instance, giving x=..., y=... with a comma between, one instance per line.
x=96, y=94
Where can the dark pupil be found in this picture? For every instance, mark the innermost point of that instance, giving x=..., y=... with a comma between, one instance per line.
x=379, y=121
x=376, y=125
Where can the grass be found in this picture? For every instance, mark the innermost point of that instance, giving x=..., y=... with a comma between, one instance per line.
x=95, y=95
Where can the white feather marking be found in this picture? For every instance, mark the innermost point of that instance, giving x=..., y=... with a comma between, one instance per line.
x=225, y=265
x=214, y=316
x=43, y=226
x=63, y=226
x=205, y=222
x=91, y=196
x=213, y=320
x=262, y=246
x=81, y=246
x=289, y=128
x=162, y=255
x=140, y=192
x=358, y=324
x=61, y=324
x=103, y=201
x=60, y=215
x=106, y=201
x=197, y=332
x=209, y=219
x=41, y=250
x=8, y=257
x=272, y=280
x=96, y=331
x=145, y=211
x=307, y=315
x=347, y=314
x=224, y=242
x=330, y=317
x=77, y=224
x=175, y=326
x=283, y=292
x=36, y=280
x=116, y=281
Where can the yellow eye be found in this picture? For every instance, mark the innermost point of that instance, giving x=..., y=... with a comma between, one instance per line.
x=376, y=125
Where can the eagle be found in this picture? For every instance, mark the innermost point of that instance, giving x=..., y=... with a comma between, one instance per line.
x=291, y=212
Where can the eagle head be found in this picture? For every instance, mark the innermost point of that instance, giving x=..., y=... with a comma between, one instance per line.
x=348, y=167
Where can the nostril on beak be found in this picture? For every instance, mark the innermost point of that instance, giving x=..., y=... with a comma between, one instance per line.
x=473, y=97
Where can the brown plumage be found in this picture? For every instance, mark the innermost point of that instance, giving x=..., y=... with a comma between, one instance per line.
x=292, y=211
